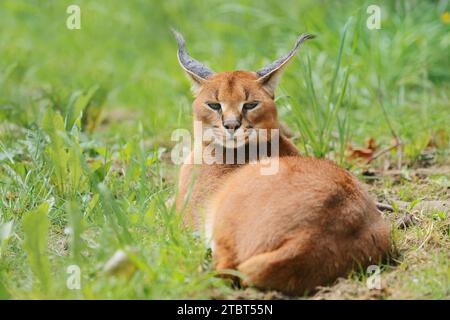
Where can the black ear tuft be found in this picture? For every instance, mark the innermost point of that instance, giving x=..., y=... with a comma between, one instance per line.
x=189, y=64
x=270, y=75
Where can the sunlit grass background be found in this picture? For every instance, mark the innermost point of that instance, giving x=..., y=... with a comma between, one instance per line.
x=86, y=118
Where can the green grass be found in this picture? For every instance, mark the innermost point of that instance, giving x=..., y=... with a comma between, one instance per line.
x=86, y=118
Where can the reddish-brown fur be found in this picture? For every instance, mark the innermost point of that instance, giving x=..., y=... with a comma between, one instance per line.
x=232, y=88
x=304, y=226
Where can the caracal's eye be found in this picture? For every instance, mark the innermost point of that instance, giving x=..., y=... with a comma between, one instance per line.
x=214, y=105
x=250, y=105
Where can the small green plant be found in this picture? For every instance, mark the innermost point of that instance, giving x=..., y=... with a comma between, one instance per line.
x=36, y=227
x=318, y=119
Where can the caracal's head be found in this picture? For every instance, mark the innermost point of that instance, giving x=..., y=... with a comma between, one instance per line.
x=235, y=104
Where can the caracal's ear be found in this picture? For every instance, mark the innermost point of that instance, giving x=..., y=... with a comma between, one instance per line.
x=270, y=75
x=197, y=72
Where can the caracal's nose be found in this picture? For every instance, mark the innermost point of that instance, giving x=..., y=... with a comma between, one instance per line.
x=231, y=125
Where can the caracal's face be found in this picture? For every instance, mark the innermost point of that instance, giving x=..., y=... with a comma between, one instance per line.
x=233, y=106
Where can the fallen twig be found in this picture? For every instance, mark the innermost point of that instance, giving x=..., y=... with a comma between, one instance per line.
x=381, y=152
x=384, y=207
x=419, y=171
